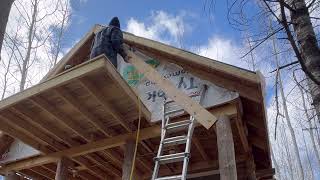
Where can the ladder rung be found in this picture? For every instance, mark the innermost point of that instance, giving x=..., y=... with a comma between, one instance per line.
x=174, y=140
x=176, y=126
x=171, y=158
x=177, y=177
x=173, y=111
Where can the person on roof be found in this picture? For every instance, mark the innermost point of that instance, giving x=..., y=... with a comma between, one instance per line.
x=109, y=41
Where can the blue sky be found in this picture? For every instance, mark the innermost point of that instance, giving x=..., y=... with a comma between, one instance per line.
x=87, y=13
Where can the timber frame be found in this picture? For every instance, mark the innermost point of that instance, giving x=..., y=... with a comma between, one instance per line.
x=88, y=115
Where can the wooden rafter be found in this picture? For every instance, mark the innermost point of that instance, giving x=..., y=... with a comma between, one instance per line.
x=99, y=97
x=62, y=118
x=82, y=110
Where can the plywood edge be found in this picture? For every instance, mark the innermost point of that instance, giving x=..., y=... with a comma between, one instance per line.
x=62, y=78
x=192, y=58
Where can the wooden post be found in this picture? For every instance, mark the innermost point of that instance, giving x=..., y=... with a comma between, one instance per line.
x=12, y=176
x=62, y=168
x=251, y=168
x=128, y=159
x=226, y=154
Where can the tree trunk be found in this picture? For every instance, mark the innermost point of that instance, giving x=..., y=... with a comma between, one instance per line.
x=310, y=130
x=309, y=48
x=286, y=113
x=5, y=7
x=26, y=60
x=314, y=92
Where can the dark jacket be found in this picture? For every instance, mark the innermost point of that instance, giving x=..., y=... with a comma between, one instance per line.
x=108, y=41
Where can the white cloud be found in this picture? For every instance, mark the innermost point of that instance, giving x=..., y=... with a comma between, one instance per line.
x=161, y=26
x=222, y=49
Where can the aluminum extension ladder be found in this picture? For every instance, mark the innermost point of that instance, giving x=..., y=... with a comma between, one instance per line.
x=165, y=141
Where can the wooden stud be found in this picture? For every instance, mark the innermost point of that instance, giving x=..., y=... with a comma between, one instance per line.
x=62, y=168
x=251, y=168
x=226, y=153
x=129, y=148
x=193, y=108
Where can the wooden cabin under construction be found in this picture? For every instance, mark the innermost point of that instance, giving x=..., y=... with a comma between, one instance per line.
x=81, y=123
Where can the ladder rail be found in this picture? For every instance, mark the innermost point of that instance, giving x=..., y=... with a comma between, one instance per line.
x=166, y=125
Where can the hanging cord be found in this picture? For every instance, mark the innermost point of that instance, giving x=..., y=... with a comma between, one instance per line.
x=137, y=138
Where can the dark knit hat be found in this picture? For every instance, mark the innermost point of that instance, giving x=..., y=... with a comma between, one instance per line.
x=115, y=22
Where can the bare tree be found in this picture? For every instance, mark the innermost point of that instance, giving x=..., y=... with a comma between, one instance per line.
x=286, y=113
x=308, y=119
x=5, y=7
x=26, y=48
x=63, y=16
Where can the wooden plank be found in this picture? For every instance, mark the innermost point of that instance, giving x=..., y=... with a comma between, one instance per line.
x=226, y=153
x=129, y=148
x=42, y=125
x=62, y=168
x=29, y=130
x=82, y=110
x=104, y=165
x=201, y=114
x=121, y=83
x=61, y=118
x=5, y=127
x=99, y=97
x=43, y=172
x=77, y=72
x=99, y=145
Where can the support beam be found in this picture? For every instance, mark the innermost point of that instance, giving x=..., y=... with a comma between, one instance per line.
x=193, y=108
x=12, y=176
x=62, y=168
x=107, y=143
x=90, y=147
x=128, y=159
x=226, y=153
